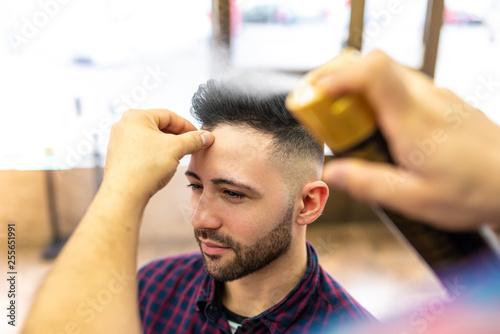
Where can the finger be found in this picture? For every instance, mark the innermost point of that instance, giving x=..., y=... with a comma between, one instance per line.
x=369, y=181
x=169, y=122
x=349, y=77
x=347, y=56
x=193, y=141
x=377, y=76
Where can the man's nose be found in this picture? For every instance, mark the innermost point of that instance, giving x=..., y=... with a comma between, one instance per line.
x=204, y=213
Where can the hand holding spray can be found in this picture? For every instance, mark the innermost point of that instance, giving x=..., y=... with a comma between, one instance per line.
x=347, y=124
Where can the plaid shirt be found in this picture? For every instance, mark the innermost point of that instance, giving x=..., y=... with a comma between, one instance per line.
x=176, y=295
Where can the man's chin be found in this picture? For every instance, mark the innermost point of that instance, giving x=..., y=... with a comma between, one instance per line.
x=212, y=256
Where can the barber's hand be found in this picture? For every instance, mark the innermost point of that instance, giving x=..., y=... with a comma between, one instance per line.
x=447, y=152
x=145, y=148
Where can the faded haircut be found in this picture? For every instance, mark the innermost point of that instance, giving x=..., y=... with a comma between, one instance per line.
x=253, y=101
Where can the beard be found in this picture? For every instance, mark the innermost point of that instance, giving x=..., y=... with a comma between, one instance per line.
x=247, y=259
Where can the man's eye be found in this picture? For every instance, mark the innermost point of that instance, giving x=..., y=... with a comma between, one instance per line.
x=194, y=186
x=233, y=194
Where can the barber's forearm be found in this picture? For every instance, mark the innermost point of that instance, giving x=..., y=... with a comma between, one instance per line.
x=92, y=286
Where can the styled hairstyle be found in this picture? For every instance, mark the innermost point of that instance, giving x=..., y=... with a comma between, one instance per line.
x=252, y=101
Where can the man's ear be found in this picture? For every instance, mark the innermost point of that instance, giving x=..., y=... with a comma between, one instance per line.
x=314, y=195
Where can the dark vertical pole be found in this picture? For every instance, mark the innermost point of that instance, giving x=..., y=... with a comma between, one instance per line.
x=221, y=35
x=98, y=170
x=356, y=24
x=51, y=198
x=57, y=241
x=433, y=23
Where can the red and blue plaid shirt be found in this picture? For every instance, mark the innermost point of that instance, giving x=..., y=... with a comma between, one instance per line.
x=176, y=295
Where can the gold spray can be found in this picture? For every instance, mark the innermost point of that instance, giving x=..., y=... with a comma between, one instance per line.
x=346, y=124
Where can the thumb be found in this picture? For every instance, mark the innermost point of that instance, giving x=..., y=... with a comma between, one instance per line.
x=193, y=141
x=370, y=181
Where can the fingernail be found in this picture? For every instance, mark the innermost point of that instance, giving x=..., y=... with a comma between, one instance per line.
x=333, y=176
x=206, y=138
x=324, y=82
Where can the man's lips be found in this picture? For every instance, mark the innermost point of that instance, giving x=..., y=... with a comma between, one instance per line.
x=212, y=248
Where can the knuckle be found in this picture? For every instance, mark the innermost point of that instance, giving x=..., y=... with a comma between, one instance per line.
x=127, y=113
x=444, y=92
x=379, y=60
x=188, y=143
x=115, y=128
x=130, y=113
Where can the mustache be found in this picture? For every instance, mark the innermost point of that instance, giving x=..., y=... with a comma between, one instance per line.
x=214, y=236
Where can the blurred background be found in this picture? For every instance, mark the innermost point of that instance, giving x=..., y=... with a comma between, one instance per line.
x=70, y=68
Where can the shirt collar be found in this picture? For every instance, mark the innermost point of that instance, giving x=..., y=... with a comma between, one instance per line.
x=279, y=316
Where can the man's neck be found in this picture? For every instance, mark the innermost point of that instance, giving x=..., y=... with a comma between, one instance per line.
x=257, y=292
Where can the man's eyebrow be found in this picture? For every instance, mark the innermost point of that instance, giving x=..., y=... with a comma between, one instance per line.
x=192, y=174
x=235, y=184
x=224, y=181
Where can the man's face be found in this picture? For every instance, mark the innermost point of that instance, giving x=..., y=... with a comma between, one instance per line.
x=241, y=213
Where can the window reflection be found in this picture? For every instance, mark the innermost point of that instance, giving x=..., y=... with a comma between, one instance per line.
x=288, y=35
x=469, y=50
x=395, y=27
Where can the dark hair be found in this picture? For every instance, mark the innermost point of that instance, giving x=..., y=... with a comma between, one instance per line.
x=245, y=101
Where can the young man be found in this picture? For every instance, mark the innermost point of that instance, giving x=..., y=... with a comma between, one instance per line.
x=254, y=191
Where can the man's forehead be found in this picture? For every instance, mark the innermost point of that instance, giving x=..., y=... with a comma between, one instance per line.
x=237, y=150
x=241, y=139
